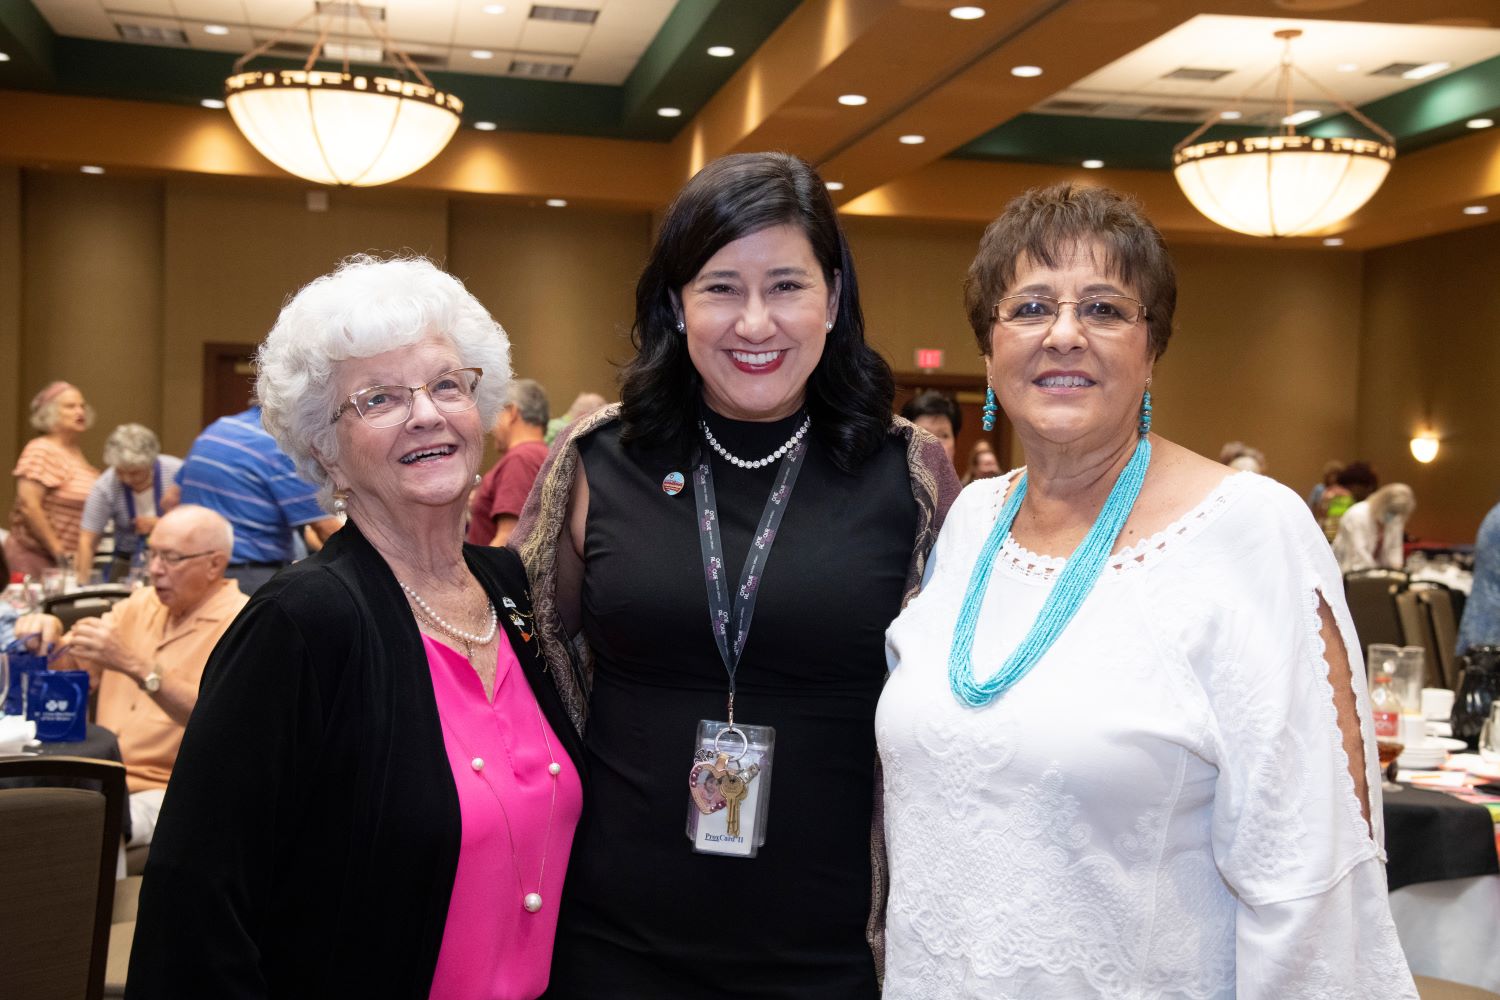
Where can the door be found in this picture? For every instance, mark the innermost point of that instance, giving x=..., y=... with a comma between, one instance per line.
x=228, y=379
x=968, y=392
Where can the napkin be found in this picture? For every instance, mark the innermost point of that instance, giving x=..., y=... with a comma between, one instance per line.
x=15, y=733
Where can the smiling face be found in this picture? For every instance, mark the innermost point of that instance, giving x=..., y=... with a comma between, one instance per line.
x=756, y=318
x=428, y=461
x=1069, y=386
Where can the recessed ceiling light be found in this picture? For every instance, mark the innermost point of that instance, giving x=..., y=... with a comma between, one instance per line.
x=834, y=185
x=967, y=13
x=212, y=103
x=1026, y=71
x=1480, y=122
x=912, y=140
x=482, y=54
x=1468, y=209
x=215, y=29
x=493, y=8
x=1348, y=67
x=852, y=100
x=4, y=57
x=1092, y=164
x=99, y=170
x=1333, y=241
x=1231, y=116
x=485, y=126
x=557, y=203
x=720, y=51
x=1424, y=71
x=1301, y=117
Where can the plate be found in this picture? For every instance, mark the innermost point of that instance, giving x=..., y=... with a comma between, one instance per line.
x=1446, y=742
x=1422, y=759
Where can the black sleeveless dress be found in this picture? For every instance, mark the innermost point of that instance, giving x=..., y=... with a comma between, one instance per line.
x=643, y=916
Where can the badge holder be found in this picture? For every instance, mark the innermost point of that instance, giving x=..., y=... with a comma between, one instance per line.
x=729, y=788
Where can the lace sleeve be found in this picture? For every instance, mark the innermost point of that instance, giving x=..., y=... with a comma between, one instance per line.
x=1296, y=816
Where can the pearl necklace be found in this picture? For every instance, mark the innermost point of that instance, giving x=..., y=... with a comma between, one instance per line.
x=791, y=443
x=469, y=639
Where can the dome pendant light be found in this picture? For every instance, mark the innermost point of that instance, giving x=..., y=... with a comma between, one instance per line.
x=337, y=126
x=1283, y=184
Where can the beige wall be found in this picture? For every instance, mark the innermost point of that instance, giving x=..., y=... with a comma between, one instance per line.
x=1431, y=356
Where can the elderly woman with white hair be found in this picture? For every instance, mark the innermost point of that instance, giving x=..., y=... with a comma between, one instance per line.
x=53, y=480
x=376, y=794
x=139, y=485
x=1372, y=532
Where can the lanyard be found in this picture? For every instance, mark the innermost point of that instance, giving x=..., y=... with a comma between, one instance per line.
x=724, y=614
x=155, y=494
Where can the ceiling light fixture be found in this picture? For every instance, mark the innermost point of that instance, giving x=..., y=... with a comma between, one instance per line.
x=1425, y=70
x=966, y=13
x=1334, y=241
x=1302, y=117
x=1231, y=116
x=482, y=54
x=1026, y=71
x=1283, y=184
x=1476, y=210
x=486, y=126
x=834, y=185
x=853, y=100
x=1092, y=164
x=337, y=126
x=912, y=140
x=91, y=169
x=557, y=203
x=720, y=51
x=212, y=103
x=669, y=112
x=493, y=8
x=1348, y=67
x=1424, y=447
x=215, y=29
x=4, y=57
x=1479, y=122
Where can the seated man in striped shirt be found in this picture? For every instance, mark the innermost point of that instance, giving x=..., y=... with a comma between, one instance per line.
x=236, y=468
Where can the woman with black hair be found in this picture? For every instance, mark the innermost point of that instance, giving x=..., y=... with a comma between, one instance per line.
x=754, y=431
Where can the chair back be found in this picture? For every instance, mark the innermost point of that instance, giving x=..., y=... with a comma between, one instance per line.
x=1371, y=596
x=1416, y=630
x=91, y=603
x=60, y=847
x=1438, y=601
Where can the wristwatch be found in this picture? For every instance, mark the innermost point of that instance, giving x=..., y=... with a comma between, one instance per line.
x=152, y=683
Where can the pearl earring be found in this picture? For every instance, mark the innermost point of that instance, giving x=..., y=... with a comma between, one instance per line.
x=681, y=327
x=478, y=479
x=340, y=501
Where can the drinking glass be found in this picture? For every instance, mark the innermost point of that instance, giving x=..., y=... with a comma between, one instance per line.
x=52, y=581
x=1389, y=751
x=1408, y=677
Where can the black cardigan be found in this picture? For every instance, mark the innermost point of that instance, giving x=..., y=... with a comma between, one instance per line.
x=310, y=834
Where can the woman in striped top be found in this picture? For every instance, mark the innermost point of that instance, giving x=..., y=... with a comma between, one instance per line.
x=52, y=481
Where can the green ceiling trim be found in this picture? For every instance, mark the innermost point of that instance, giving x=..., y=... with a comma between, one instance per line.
x=1429, y=113
x=27, y=38
x=1068, y=140
x=676, y=69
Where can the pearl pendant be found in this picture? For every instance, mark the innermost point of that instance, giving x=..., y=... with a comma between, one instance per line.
x=554, y=769
x=532, y=902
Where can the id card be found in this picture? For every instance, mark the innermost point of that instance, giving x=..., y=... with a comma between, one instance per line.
x=729, y=788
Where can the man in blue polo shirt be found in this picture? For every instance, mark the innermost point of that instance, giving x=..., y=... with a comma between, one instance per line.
x=236, y=468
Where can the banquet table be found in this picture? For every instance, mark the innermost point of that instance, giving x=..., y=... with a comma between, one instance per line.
x=1444, y=876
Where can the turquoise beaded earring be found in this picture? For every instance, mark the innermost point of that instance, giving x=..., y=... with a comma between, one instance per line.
x=1145, y=424
x=989, y=408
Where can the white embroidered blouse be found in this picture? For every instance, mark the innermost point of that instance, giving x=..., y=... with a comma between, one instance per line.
x=1162, y=808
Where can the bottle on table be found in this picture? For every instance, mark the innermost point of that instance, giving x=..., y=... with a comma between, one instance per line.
x=1385, y=706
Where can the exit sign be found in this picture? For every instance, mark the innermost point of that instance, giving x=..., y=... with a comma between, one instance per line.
x=929, y=358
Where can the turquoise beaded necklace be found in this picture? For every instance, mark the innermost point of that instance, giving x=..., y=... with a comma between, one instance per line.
x=1066, y=597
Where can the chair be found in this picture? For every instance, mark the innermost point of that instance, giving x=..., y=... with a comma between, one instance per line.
x=60, y=846
x=1442, y=989
x=1416, y=630
x=1438, y=600
x=1371, y=597
x=91, y=603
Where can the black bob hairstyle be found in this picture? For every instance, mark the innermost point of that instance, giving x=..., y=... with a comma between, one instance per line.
x=850, y=391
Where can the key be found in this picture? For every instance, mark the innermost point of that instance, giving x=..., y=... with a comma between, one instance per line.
x=732, y=787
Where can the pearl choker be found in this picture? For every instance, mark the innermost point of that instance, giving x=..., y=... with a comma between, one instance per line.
x=791, y=442
x=469, y=639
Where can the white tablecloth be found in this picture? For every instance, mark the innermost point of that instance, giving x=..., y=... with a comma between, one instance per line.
x=1451, y=929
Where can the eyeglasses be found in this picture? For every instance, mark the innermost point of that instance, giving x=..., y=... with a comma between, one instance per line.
x=389, y=405
x=172, y=559
x=1096, y=313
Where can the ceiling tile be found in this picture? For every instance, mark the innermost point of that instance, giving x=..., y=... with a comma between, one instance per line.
x=475, y=29
x=554, y=37
x=78, y=20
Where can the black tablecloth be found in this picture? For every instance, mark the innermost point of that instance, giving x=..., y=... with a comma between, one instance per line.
x=1430, y=836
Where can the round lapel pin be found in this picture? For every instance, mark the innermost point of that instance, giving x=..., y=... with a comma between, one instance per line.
x=673, y=483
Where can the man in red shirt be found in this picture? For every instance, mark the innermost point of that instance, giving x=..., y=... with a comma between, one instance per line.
x=519, y=433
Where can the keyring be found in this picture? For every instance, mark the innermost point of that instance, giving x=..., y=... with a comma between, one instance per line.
x=738, y=732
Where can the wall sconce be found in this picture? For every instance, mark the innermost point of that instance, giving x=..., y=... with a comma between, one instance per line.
x=1424, y=447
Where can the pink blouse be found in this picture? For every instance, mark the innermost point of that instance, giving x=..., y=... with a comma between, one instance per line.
x=493, y=949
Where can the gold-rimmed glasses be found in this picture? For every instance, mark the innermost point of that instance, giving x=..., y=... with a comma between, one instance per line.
x=172, y=559
x=1102, y=314
x=389, y=405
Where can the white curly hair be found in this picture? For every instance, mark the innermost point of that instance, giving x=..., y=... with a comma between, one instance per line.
x=366, y=306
